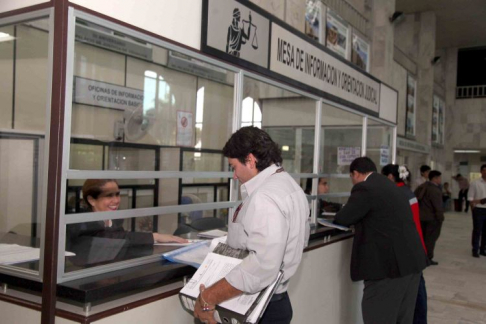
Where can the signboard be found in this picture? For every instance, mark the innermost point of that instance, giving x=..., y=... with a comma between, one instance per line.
x=406, y=144
x=185, y=127
x=360, y=52
x=295, y=58
x=234, y=29
x=384, y=155
x=346, y=155
x=410, y=115
x=337, y=33
x=112, y=42
x=106, y=95
x=438, y=108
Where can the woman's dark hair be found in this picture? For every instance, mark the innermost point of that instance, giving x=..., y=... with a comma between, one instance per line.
x=393, y=169
x=255, y=141
x=92, y=187
x=362, y=165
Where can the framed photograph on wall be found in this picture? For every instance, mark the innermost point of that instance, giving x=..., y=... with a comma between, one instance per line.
x=337, y=33
x=411, y=106
x=441, y=121
x=314, y=20
x=435, y=119
x=360, y=52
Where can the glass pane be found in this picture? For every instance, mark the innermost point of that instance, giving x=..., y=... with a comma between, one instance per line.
x=288, y=118
x=341, y=139
x=379, y=141
x=203, y=161
x=24, y=96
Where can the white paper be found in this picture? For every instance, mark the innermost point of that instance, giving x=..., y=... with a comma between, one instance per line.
x=214, y=268
x=327, y=223
x=179, y=244
x=13, y=253
x=212, y=233
x=194, y=254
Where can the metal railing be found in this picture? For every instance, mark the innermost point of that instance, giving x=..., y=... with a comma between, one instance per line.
x=477, y=91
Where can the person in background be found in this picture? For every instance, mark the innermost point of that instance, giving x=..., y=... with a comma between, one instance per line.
x=101, y=195
x=446, y=195
x=387, y=253
x=463, y=190
x=477, y=198
x=424, y=175
x=401, y=176
x=323, y=204
x=270, y=223
x=429, y=196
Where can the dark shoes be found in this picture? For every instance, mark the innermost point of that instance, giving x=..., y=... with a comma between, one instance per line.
x=475, y=254
x=482, y=252
x=432, y=262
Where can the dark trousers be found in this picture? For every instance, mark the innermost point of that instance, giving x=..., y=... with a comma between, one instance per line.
x=279, y=310
x=390, y=301
x=431, y=232
x=463, y=195
x=420, y=315
x=479, y=229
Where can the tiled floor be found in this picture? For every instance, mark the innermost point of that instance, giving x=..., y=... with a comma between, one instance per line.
x=456, y=287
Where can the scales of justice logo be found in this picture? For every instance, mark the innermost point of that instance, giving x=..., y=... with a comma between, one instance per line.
x=239, y=33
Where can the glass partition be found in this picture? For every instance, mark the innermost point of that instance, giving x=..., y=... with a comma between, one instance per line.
x=379, y=143
x=24, y=97
x=341, y=143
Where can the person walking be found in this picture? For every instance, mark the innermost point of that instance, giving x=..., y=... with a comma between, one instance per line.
x=477, y=198
x=463, y=190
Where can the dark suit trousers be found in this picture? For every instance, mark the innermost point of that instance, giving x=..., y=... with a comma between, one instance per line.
x=390, y=301
x=431, y=232
x=479, y=229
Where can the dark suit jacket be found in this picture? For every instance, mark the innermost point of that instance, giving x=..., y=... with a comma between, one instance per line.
x=431, y=206
x=386, y=243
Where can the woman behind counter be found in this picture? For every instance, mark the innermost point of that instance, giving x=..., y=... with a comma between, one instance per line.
x=104, y=195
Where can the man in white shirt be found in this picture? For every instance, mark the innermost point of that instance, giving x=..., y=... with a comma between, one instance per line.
x=477, y=197
x=270, y=223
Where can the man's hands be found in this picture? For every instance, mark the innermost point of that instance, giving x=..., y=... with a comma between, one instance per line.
x=203, y=310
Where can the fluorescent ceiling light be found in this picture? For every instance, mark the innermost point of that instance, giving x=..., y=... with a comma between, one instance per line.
x=467, y=151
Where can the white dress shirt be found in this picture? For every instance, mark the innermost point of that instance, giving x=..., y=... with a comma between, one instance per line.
x=477, y=190
x=271, y=225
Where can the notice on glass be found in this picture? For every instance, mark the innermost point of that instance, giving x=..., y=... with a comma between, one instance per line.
x=185, y=128
x=346, y=155
x=384, y=155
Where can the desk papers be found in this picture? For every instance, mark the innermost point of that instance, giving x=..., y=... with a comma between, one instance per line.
x=212, y=234
x=13, y=253
x=325, y=222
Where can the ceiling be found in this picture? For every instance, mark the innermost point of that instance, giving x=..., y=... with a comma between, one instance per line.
x=460, y=23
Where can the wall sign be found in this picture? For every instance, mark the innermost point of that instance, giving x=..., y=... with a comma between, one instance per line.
x=185, y=126
x=269, y=46
x=346, y=155
x=410, y=115
x=101, y=94
x=406, y=144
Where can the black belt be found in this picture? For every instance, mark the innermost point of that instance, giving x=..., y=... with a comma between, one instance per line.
x=277, y=297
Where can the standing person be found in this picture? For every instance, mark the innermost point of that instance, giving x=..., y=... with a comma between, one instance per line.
x=477, y=197
x=400, y=176
x=446, y=195
x=270, y=223
x=387, y=253
x=429, y=196
x=424, y=175
x=463, y=190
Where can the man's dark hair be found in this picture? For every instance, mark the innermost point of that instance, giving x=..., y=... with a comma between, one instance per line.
x=424, y=168
x=482, y=167
x=256, y=141
x=434, y=174
x=362, y=165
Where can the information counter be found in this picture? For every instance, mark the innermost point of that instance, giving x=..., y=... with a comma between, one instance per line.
x=321, y=288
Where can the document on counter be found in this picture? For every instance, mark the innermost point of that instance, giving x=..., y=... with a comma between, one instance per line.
x=325, y=222
x=179, y=244
x=13, y=253
x=212, y=233
x=246, y=308
x=193, y=254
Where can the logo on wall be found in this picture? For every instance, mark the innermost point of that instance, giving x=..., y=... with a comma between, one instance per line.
x=237, y=36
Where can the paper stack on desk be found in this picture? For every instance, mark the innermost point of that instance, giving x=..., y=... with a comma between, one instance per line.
x=195, y=253
x=246, y=308
x=13, y=253
x=325, y=222
x=212, y=234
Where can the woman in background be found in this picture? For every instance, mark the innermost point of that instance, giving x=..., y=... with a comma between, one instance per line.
x=401, y=177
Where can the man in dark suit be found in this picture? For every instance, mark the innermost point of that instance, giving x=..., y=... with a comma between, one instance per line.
x=387, y=252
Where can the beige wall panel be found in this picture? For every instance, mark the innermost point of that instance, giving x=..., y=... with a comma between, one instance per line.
x=399, y=83
x=16, y=179
x=275, y=7
x=177, y=20
x=176, y=92
x=94, y=122
x=94, y=63
x=289, y=112
x=6, y=82
x=406, y=36
x=295, y=14
x=218, y=114
x=18, y=4
x=31, y=89
x=168, y=188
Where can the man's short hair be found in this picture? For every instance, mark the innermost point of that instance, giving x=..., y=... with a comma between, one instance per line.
x=434, y=174
x=424, y=168
x=253, y=140
x=362, y=165
x=482, y=167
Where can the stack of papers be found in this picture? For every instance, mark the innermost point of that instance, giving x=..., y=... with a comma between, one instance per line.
x=212, y=234
x=325, y=222
x=13, y=253
x=194, y=253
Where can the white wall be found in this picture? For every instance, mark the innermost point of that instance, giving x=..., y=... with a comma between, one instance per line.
x=8, y=5
x=178, y=20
